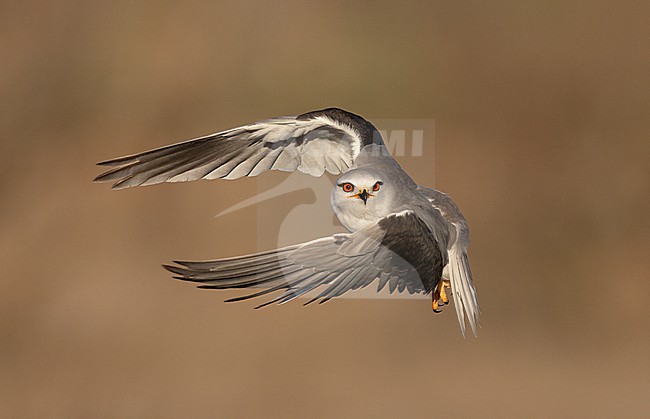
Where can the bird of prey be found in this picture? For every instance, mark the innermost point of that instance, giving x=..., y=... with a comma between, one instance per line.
x=400, y=234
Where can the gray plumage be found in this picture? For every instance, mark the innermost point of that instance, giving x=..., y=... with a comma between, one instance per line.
x=404, y=236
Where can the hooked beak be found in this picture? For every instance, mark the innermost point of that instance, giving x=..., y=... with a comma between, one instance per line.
x=363, y=195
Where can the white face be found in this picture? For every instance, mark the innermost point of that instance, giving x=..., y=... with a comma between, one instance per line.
x=359, y=198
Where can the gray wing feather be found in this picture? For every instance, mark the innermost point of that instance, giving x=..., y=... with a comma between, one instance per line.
x=327, y=140
x=457, y=270
x=339, y=263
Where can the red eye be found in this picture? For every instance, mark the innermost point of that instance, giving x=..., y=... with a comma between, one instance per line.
x=376, y=186
x=347, y=187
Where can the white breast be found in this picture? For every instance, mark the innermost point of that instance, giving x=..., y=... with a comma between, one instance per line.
x=354, y=222
x=354, y=215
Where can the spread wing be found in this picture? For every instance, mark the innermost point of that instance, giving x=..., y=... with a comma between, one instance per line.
x=315, y=142
x=457, y=270
x=399, y=251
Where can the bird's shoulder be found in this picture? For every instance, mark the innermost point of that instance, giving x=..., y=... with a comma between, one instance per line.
x=365, y=130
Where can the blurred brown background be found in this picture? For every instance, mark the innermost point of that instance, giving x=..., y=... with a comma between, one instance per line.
x=542, y=137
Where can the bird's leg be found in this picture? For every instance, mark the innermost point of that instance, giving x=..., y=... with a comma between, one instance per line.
x=439, y=294
x=444, y=283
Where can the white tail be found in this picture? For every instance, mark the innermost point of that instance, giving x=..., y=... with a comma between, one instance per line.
x=462, y=288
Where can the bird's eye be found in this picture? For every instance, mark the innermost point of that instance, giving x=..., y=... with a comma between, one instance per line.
x=347, y=187
x=376, y=186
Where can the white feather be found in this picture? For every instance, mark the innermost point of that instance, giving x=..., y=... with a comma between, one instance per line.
x=462, y=288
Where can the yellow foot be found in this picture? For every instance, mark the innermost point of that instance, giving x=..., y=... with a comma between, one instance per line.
x=440, y=294
x=443, y=294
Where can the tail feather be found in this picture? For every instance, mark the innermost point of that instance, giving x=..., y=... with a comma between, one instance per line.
x=465, y=300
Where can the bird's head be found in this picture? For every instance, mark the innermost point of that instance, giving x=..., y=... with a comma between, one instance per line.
x=361, y=194
x=361, y=187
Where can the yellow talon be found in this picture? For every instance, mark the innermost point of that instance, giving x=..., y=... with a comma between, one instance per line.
x=439, y=294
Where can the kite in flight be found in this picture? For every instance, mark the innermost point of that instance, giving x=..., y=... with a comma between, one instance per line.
x=401, y=235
